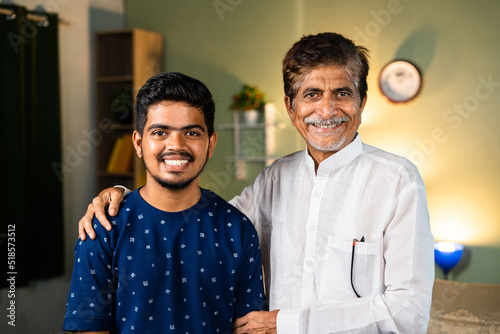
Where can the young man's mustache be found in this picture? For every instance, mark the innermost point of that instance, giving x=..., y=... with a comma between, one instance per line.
x=182, y=153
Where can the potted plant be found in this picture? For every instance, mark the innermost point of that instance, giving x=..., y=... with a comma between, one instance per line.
x=251, y=101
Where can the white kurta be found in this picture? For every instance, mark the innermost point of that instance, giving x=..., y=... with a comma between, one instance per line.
x=307, y=222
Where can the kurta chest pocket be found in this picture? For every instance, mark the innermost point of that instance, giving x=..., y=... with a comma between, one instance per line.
x=367, y=269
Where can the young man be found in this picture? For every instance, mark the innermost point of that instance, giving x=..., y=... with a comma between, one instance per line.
x=179, y=258
x=344, y=226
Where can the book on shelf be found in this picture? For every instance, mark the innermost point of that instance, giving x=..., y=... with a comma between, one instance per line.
x=114, y=154
x=121, y=159
x=125, y=158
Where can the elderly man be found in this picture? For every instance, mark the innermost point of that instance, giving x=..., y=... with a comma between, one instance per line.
x=343, y=226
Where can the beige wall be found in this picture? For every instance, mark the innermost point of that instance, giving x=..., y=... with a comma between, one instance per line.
x=449, y=130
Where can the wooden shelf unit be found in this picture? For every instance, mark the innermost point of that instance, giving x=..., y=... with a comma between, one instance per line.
x=124, y=61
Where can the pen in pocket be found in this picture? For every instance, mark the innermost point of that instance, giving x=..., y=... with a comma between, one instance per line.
x=352, y=261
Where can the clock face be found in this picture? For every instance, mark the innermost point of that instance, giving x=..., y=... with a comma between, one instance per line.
x=400, y=81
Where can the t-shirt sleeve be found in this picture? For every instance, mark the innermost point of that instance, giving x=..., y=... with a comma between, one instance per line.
x=90, y=299
x=249, y=294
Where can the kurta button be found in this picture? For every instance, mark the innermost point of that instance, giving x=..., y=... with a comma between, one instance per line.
x=317, y=193
x=309, y=262
x=311, y=227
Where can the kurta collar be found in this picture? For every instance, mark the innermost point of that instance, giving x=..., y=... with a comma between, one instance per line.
x=337, y=160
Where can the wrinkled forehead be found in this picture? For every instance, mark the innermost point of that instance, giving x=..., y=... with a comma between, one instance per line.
x=326, y=75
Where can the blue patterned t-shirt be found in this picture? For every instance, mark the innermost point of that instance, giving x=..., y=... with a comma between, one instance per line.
x=193, y=271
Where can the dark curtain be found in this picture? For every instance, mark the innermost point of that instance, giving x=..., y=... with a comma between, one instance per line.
x=31, y=235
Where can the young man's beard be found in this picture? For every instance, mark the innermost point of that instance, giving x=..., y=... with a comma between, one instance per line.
x=172, y=185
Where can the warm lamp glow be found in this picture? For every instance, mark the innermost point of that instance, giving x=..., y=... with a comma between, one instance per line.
x=456, y=218
x=447, y=255
x=462, y=221
x=446, y=246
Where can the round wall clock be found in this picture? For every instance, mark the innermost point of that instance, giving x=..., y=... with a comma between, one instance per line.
x=400, y=81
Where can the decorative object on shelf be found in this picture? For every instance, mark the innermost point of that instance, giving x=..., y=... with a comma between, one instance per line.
x=251, y=101
x=447, y=255
x=400, y=81
x=251, y=116
x=122, y=107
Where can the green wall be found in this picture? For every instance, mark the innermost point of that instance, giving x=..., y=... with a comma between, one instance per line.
x=448, y=131
x=225, y=48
